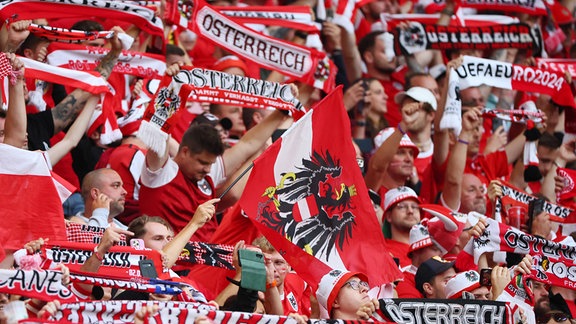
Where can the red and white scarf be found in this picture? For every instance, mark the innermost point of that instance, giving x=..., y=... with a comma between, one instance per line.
x=558, y=271
x=558, y=65
x=477, y=71
x=121, y=311
x=142, y=17
x=297, y=17
x=392, y=21
x=6, y=69
x=90, y=81
x=160, y=116
x=41, y=284
x=532, y=7
x=301, y=63
x=146, y=285
x=120, y=261
x=517, y=197
x=86, y=58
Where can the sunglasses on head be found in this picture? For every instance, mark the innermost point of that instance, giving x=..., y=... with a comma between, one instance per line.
x=558, y=317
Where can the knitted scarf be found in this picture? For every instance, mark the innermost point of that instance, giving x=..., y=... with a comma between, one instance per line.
x=297, y=17
x=477, y=71
x=86, y=58
x=532, y=7
x=419, y=37
x=304, y=64
x=140, y=16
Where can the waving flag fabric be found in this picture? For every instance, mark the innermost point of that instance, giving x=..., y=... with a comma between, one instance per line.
x=31, y=198
x=307, y=195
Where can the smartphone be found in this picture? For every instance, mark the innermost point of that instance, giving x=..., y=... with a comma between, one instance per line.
x=535, y=207
x=360, y=104
x=147, y=269
x=137, y=244
x=329, y=14
x=253, y=270
x=486, y=277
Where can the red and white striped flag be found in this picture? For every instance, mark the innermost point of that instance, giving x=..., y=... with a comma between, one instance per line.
x=31, y=198
x=307, y=196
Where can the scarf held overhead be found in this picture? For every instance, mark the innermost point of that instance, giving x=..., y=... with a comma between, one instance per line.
x=120, y=261
x=304, y=64
x=419, y=37
x=142, y=17
x=86, y=58
x=476, y=71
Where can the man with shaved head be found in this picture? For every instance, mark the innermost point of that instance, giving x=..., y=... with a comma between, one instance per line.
x=104, y=198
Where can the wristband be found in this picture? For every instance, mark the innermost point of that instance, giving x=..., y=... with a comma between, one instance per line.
x=271, y=284
x=361, y=123
x=463, y=141
x=97, y=254
x=401, y=130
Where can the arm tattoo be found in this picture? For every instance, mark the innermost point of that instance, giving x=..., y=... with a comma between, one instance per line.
x=67, y=110
x=107, y=64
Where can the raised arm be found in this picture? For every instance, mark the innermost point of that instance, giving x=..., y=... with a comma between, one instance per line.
x=15, y=127
x=74, y=134
x=457, y=160
x=251, y=142
x=66, y=110
x=203, y=214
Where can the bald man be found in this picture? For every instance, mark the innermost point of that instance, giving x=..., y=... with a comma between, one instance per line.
x=104, y=198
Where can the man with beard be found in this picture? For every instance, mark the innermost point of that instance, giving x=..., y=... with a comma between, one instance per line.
x=104, y=198
x=401, y=212
x=372, y=50
x=541, y=298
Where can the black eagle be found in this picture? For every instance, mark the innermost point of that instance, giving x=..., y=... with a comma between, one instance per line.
x=318, y=177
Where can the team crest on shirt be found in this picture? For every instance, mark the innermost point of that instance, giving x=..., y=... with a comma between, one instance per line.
x=312, y=207
x=204, y=186
x=292, y=301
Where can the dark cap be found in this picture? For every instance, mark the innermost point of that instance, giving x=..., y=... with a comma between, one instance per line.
x=208, y=118
x=430, y=269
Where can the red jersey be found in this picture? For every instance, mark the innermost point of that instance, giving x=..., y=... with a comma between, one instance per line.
x=407, y=288
x=169, y=194
x=296, y=298
x=489, y=167
x=399, y=250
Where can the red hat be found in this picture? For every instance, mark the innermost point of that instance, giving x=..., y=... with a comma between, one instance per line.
x=229, y=62
x=404, y=142
x=329, y=287
x=445, y=228
x=464, y=281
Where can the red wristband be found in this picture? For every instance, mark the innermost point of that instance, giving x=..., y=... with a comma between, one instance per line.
x=271, y=284
x=99, y=256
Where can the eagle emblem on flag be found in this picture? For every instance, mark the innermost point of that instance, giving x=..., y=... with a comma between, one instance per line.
x=311, y=207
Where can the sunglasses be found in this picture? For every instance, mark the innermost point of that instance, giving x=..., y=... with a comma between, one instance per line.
x=558, y=317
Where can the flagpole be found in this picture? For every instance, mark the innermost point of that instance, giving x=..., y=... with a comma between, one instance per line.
x=237, y=179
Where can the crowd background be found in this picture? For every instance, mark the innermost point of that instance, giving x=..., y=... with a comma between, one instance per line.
x=440, y=161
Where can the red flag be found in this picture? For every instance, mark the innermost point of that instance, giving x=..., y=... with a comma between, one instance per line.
x=31, y=199
x=315, y=161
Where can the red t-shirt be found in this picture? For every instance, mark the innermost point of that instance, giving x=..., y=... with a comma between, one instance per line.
x=169, y=194
x=407, y=288
x=296, y=295
x=489, y=167
x=400, y=251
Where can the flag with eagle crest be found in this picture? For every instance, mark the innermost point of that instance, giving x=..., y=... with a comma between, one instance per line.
x=306, y=194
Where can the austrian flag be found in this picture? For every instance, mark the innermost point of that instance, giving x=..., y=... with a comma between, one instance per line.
x=305, y=196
